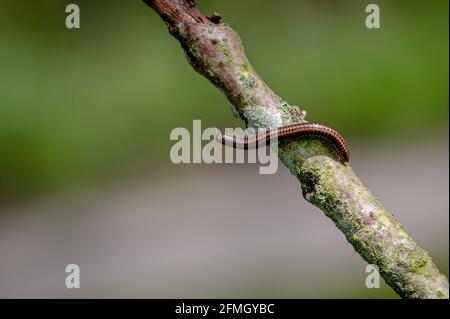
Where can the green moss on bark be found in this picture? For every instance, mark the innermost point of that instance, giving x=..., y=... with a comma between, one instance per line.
x=216, y=52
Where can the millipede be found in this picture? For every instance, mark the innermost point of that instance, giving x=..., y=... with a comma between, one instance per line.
x=326, y=134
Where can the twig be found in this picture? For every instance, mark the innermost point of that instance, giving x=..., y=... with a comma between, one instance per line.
x=215, y=51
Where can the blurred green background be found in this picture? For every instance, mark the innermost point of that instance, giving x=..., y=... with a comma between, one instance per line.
x=95, y=105
x=81, y=105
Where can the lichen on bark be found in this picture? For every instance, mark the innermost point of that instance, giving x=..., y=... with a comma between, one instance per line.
x=373, y=232
x=215, y=50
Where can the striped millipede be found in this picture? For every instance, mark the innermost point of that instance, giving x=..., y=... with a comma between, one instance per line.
x=326, y=134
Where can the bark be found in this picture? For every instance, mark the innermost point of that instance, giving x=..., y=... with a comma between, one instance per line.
x=215, y=50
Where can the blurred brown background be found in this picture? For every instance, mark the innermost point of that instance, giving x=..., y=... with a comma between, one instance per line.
x=85, y=118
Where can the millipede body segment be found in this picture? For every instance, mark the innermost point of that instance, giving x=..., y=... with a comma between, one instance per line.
x=326, y=134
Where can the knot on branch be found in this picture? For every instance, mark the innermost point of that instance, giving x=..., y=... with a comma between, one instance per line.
x=308, y=183
x=215, y=18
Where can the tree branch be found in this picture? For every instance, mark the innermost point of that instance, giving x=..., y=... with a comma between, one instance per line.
x=215, y=51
